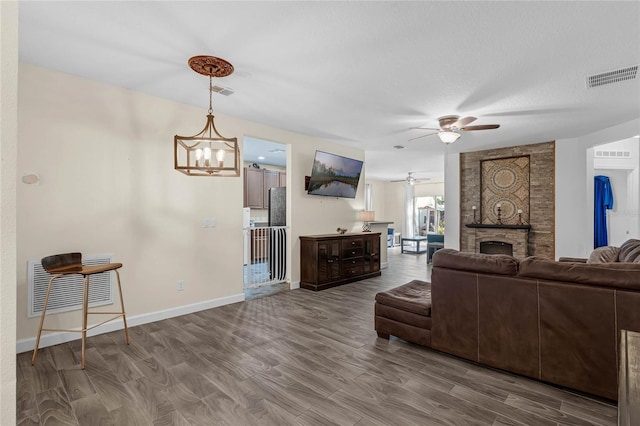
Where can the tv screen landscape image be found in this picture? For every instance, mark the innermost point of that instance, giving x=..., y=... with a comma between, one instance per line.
x=334, y=175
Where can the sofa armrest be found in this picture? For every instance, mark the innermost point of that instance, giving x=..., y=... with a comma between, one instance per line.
x=573, y=259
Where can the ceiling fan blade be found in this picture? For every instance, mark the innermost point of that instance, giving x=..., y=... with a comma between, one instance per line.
x=428, y=134
x=463, y=122
x=481, y=127
x=424, y=128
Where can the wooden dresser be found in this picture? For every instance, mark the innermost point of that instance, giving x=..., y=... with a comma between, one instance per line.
x=333, y=259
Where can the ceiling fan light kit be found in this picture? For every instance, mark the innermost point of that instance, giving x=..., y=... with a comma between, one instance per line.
x=448, y=137
x=193, y=154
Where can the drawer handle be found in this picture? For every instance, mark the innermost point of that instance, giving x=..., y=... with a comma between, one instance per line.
x=330, y=261
x=353, y=261
x=353, y=243
x=353, y=252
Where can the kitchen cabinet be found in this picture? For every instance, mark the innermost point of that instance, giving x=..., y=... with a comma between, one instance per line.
x=253, y=188
x=333, y=259
x=257, y=183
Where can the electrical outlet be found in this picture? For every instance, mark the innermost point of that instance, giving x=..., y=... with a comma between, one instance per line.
x=212, y=222
x=180, y=286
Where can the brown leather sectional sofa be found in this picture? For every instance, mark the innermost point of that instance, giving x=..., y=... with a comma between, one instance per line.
x=558, y=322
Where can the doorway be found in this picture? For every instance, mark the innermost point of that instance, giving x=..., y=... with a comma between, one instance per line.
x=265, y=206
x=620, y=162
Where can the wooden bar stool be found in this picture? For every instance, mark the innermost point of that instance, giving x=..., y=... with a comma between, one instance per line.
x=60, y=265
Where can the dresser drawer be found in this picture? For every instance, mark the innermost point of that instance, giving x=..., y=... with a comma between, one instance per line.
x=352, y=267
x=352, y=252
x=352, y=243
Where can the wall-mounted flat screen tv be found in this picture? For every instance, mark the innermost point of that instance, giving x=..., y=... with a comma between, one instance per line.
x=334, y=175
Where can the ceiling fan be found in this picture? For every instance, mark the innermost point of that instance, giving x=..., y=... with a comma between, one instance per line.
x=410, y=180
x=450, y=125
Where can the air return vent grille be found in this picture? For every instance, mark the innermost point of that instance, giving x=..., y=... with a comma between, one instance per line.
x=222, y=90
x=611, y=77
x=613, y=154
x=66, y=292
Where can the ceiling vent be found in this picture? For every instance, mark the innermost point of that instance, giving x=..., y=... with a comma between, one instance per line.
x=610, y=77
x=222, y=90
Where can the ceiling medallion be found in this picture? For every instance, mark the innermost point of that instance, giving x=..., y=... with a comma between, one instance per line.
x=210, y=66
x=193, y=154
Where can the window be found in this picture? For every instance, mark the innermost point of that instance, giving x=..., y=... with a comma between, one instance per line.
x=429, y=215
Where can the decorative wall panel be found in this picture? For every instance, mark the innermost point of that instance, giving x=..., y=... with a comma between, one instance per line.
x=505, y=181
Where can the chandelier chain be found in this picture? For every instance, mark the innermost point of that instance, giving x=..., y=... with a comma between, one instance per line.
x=210, y=94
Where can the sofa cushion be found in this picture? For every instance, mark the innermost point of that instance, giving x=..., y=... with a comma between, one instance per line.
x=630, y=251
x=414, y=296
x=606, y=254
x=617, y=275
x=499, y=264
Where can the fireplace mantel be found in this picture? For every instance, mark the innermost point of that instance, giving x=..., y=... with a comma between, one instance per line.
x=493, y=226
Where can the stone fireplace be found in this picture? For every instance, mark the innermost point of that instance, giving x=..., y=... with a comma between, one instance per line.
x=537, y=236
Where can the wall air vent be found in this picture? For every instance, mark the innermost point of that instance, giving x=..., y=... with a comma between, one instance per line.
x=612, y=154
x=222, y=90
x=66, y=292
x=610, y=77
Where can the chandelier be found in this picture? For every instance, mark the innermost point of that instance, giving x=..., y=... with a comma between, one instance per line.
x=208, y=153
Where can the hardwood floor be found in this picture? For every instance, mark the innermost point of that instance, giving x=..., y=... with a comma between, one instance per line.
x=293, y=358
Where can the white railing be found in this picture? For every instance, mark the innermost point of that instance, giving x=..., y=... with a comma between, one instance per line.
x=265, y=255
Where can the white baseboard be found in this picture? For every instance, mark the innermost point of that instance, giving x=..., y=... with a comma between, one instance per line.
x=51, y=339
x=294, y=285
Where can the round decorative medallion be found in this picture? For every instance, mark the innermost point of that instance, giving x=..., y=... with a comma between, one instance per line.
x=504, y=178
x=508, y=210
x=210, y=66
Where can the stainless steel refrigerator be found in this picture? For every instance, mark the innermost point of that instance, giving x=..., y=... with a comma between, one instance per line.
x=277, y=237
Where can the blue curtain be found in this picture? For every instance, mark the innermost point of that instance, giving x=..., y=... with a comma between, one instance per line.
x=603, y=201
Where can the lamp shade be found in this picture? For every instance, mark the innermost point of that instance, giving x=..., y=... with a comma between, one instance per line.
x=367, y=215
x=448, y=137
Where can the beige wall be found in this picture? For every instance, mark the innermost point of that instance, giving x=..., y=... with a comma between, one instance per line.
x=389, y=199
x=429, y=189
x=379, y=199
x=8, y=141
x=104, y=156
x=395, y=204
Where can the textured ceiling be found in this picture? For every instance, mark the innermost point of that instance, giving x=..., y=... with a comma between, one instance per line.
x=362, y=73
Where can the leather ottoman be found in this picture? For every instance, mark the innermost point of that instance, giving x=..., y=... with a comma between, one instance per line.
x=405, y=312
